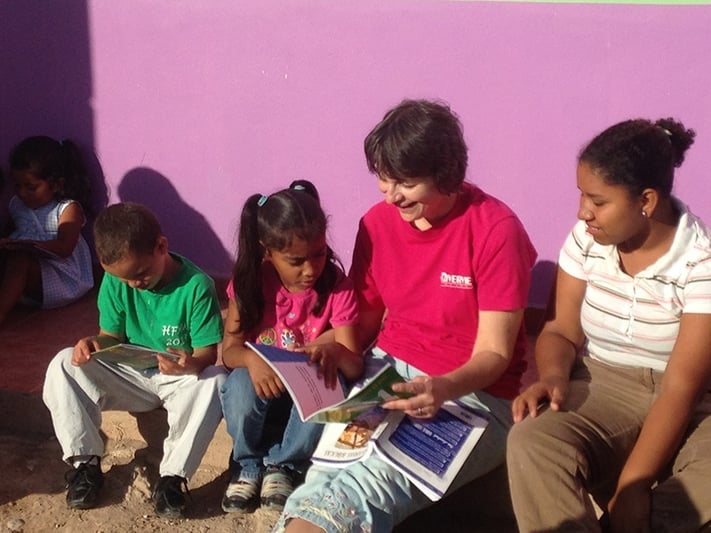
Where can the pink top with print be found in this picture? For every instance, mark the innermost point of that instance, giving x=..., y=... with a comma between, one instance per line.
x=288, y=318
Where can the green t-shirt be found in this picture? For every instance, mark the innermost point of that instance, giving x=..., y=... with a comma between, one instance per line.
x=184, y=314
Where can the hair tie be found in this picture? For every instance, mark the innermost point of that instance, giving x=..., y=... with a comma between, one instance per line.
x=262, y=200
x=299, y=188
x=668, y=133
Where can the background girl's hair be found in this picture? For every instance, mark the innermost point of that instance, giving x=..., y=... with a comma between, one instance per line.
x=58, y=162
x=640, y=154
x=293, y=213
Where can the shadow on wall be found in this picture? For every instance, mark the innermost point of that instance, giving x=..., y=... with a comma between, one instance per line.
x=46, y=67
x=187, y=230
x=542, y=277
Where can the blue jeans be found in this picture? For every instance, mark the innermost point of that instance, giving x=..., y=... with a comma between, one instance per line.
x=246, y=414
x=371, y=495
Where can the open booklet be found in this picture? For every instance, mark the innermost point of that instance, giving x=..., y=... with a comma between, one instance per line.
x=28, y=246
x=138, y=357
x=430, y=452
x=317, y=403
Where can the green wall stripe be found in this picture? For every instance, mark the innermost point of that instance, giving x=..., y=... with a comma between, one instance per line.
x=630, y=2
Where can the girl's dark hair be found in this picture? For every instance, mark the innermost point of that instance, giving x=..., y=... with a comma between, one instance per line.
x=58, y=162
x=639, y=154
x=419, y=139
x=273, y=222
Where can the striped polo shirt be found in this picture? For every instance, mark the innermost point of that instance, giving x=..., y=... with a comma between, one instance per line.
x=634, y=320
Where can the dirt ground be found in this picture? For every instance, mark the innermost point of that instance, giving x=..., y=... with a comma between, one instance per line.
x=32, y=493
x=32, y=486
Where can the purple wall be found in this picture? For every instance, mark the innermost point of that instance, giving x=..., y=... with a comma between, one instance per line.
x=192, y=106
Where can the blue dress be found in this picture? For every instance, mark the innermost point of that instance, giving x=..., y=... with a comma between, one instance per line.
x=64, y=280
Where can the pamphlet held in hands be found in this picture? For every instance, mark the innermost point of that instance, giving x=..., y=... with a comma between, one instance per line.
x=313, y=400
x=138, y=357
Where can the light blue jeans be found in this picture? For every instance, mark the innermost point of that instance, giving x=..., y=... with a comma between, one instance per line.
x=372, y=496
x=245, y=415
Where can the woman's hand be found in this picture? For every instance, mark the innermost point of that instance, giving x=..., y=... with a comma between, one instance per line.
x=428, y=395
x=266, y=383
x=552, y=390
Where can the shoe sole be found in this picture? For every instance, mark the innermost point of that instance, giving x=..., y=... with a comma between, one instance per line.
x=237, y=510
x=273, y=506
x=171, y=514
x=81, y=505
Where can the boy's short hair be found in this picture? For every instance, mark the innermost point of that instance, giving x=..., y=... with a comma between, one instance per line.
x=123, y=229
x=419, y=139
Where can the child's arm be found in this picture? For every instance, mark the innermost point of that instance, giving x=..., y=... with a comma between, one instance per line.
x=70, y=223
x=236, y=355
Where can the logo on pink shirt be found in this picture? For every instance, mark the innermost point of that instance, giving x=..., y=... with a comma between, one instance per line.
x=455, y=281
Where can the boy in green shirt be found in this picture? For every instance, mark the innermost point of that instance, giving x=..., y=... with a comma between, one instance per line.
x=159, y=300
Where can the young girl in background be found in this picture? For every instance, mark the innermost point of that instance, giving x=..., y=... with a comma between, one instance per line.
x=287, y=289
x=46, y=260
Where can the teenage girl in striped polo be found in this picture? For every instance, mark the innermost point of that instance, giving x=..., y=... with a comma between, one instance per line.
x=625, y=356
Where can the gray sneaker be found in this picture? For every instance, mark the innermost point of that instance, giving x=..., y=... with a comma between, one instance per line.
x=242, y=494
x=278, y=484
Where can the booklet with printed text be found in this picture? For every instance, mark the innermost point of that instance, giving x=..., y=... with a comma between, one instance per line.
x=317, y=403
x=138, y=357
x=430, y=452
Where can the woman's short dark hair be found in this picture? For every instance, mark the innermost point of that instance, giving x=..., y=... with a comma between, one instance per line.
x=419, y=139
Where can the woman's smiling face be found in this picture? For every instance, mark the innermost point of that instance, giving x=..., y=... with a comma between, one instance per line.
x=415, y=198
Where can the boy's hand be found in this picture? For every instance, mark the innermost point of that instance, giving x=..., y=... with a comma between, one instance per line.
x=182, y=366
x=83, y=349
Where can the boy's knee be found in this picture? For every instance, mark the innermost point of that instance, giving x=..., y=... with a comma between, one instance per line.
x=60, y=362
x=59, y=365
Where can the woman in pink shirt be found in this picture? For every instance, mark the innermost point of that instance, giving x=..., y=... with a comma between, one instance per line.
x=442, y=272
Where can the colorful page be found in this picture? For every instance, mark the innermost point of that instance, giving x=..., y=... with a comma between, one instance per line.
x=307, y=390
x=138, y=357
x=430, y=452
x=344, y=444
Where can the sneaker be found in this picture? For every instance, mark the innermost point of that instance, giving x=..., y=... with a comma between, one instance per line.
x=83, y=484
x=277, y=486
x=168, y=496
x=242, y=494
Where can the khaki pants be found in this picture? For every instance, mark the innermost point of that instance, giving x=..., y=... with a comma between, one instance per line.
x=558, y=459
